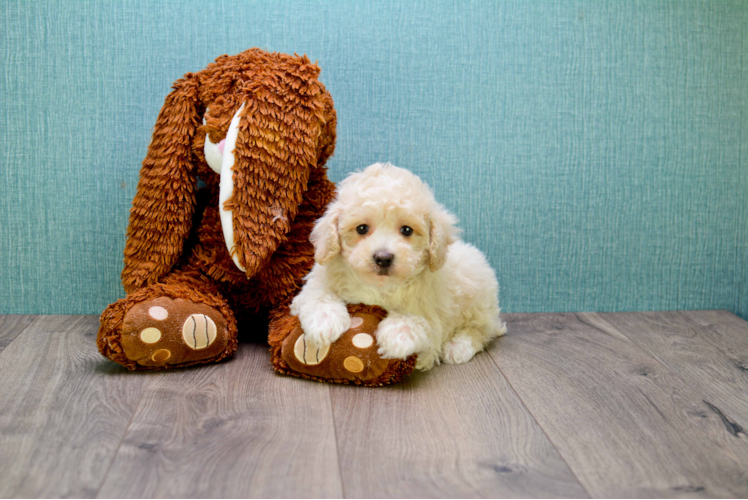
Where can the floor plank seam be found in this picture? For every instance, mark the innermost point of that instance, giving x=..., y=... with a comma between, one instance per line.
x=119, y=445
x=545, y=433
x=337, y=444
x=36, y=318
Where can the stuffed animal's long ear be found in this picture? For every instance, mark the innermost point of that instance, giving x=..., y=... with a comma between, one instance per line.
x=283, y=134
x=325, y=236
x=162, y=210
x=442, y=233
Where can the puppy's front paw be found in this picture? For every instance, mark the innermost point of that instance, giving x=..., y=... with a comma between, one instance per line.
x=324, y=323
x=399, y=338
x=458, y=350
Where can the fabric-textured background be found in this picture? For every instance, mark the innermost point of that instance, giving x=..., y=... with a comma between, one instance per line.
x=596, y=151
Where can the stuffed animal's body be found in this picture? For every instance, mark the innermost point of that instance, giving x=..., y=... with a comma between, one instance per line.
x=257, y=129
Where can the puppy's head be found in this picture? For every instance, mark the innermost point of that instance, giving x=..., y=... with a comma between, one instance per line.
x=386, y=225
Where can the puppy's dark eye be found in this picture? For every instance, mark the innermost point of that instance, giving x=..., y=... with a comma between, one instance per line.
x=406, y=230
x=362, y=229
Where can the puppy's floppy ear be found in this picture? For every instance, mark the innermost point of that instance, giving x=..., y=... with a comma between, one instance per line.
x=442, y=233
x=325, y=236
x=162, y=210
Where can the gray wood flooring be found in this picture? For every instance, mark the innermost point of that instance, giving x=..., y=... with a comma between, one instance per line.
x=566, y=405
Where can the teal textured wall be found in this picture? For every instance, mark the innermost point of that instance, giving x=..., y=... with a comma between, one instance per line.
x=596, y=151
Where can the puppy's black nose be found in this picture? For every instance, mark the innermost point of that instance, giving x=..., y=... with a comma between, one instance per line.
x=384, y=259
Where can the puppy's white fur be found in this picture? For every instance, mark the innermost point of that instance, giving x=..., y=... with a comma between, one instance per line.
x=440, y=292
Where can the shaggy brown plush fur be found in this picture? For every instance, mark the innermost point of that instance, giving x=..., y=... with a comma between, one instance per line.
x=175, y=246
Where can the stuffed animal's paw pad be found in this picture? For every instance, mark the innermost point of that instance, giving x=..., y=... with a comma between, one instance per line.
x=309, y=354
x=198, y=331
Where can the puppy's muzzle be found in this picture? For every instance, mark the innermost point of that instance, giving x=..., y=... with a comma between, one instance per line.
x=384, y=261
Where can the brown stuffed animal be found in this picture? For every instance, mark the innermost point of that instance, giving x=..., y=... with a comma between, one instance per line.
x=257, y=129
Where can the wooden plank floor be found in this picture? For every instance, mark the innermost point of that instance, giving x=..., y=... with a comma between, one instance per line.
x=566, y=405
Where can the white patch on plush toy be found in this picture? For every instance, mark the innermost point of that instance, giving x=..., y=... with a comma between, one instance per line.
x=227, y=185
x=362, y=340
x=158, y=313
x=214, y=154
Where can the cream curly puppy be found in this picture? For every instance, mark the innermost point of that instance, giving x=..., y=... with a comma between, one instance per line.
x=385, y=241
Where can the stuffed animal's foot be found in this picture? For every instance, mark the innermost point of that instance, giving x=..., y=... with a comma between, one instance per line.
x=169, y=331
x=352, y=358
x=165, y=332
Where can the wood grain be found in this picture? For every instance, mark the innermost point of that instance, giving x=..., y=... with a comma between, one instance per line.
x=11, y=325
x=63, y=409
x=234, y=429
x=456, y=431
x=566, y=405
x=624, y=423
x=708, y=350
